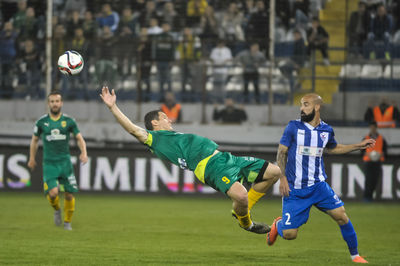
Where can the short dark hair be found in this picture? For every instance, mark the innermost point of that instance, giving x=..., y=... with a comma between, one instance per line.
x=55, y=92
x=150, y=116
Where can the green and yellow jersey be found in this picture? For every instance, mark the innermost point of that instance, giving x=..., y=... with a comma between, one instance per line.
x=184, y=150
x=55, y=136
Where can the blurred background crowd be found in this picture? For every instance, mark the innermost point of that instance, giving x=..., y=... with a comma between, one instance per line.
x=186, y=47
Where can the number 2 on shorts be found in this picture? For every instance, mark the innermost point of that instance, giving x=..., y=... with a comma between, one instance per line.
x=288, y=219
x=226, y=180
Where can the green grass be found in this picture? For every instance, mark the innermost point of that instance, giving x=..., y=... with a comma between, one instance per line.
x=134, y=230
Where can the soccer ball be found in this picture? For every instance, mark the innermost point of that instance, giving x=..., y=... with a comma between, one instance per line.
x=375, y=156
x=70, y=63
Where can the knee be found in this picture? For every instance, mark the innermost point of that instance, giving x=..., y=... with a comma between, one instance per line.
x=289, y=235
x=242, y=198
x=342, y=219
x=274, y=172
x=239, y=198
x=69, y=196
x=53, y=194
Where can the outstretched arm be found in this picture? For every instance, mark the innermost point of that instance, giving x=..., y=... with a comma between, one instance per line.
x=110, y=100
x=281, y=159
x=341, y=148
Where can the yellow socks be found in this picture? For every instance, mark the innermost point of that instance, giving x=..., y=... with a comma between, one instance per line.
x=253, y=197
x=245, y=221
x=55, y=203
x=69, y=208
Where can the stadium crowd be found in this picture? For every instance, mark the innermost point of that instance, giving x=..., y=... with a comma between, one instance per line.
x=114, y=36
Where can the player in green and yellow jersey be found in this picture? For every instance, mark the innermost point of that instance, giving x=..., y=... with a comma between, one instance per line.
x=55, y=129
x=220, y=170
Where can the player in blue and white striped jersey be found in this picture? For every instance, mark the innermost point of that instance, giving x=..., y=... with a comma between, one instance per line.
x=303, y=185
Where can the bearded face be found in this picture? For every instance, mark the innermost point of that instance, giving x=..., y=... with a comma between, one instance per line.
x=307, y=117
x=55, y=104
x=55, y=110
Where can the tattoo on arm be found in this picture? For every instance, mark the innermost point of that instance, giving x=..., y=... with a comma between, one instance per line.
x=281, y=158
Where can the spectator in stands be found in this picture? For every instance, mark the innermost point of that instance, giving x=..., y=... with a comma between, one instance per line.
x=31, y=28
x=154, y=29
x=231, y=25
x=29, y=70
x=251, y=60
x=126, y=34
x=73, y=22
x=75, y=5
x=373, y=158
x=381, y=27
x=144, y=62
x=18, y=20
x=189, y=51
x=318, y=39
x=300, y=11
x=8, y=53
x=358, y=28
x=163, y=49
x=80, y=44
x=59, y=45
x=248, y=8
x=372, y=5
x=171, y=108
x=195, y=10
x=148, y=14
x=108, y=18
x=105, y=67
x=139, y=6
x=170, y=16
x=209, y=30
x=230, y=113
x=384, y=114
x=220, y=56
x=89, y=26
x=283, y=12
x=396, y=17
x=296, y=62
x=258, y=27
x=220, y=5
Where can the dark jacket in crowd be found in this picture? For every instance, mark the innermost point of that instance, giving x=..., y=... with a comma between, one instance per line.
x=163, y=48
x=299, y=52
x=321, y=33
x=230, y=115
x=380, y=25
x=365, y=24
x=7, y=47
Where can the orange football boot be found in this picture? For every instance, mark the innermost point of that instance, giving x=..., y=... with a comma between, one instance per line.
x=359, y=259
x=273, y=234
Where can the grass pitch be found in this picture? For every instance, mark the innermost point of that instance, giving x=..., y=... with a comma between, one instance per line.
x=144, y=230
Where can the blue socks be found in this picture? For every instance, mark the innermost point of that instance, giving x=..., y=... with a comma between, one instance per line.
x=279, y=227
x=350, y=236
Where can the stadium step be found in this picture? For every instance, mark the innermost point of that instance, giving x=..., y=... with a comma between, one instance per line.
x=333, y=19
x=325, y=71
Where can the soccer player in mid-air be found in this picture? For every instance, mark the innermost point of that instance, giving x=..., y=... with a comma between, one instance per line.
x=303, y=185
x=220, y=170
x=55, y=129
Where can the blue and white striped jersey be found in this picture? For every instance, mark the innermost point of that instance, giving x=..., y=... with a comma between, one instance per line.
x=306, y=144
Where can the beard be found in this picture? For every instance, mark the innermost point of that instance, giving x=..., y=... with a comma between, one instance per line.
x=307, y=117
x=55, y=111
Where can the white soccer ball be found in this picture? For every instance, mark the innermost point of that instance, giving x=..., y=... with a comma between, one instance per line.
x=375, y=156
x=70, y=63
